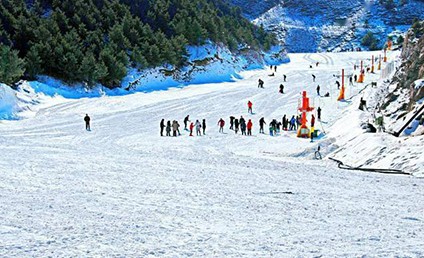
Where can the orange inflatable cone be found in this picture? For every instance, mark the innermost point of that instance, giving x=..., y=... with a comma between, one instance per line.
x=361, y=74
x=342, y=90
x=385, y=57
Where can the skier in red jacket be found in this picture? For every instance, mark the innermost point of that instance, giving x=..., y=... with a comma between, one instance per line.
x=249, y=127
x=191, y=129
x=249, y=107
x=221, y=124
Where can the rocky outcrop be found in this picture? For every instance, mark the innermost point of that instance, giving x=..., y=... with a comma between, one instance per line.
x=406, y=81
x=412, y=68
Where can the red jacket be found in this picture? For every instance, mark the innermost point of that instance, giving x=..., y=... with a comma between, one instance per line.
x=221, y=123
x=191, y=126
x=249, y=104
x=249, y=125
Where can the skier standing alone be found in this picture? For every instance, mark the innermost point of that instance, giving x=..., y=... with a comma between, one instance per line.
x=281, y=88
x=249, y=107
x=260, y=83
x=221, y=124
x=87, y=122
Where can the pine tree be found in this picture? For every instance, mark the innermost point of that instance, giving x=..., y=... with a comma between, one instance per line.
x=33, y=62
x=11, y=66
x=91, y=70
x=115, y=63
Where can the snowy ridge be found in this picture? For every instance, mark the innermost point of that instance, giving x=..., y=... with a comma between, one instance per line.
x=122, y=190
x=310, y=26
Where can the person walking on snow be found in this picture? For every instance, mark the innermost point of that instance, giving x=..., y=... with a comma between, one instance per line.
x=241, y=120
x=338, y=85
x=236, y=125
x=281, y=88
x=87, y=122
x=221, y=124
x=350, y=80
x=284, y=77
x=271, y=129
x=298, y=123
x=186, y=120
x=313, y=77
x=243, y=126
x=191, y=128
x=313, y=121
x=319, y=113
x=198, y=128
x=175, y=128
x=260, y=84
x=204, y=126
x=318, y=88
x=178, y=128
x=162, y=126
x=168, y=128
x=292, y=123
x=249, y=107
x=261, y=125
x=249, y=127
x=278, y=127
x=284, y=123
x=232, y=122
x=312, y=134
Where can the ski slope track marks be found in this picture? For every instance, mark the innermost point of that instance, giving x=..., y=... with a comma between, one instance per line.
x=121, y=190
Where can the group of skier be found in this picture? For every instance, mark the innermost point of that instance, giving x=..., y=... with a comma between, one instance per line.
x=241, y=124
x=190, y=126
x=200, y=127
x=169, y=126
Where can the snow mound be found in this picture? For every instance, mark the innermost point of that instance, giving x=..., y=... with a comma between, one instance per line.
x=8, y=102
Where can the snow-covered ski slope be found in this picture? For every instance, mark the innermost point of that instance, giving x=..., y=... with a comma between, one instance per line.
x=121, y=190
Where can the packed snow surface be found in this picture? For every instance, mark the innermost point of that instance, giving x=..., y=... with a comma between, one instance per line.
x=122, y=190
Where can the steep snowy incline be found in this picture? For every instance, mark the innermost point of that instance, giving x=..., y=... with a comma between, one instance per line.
x=122, y=190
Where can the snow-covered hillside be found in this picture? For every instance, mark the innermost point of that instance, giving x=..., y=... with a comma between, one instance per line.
x=122, y=190
x=309, y=26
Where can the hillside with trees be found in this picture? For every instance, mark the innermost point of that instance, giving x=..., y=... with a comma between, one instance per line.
x=93, y=41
